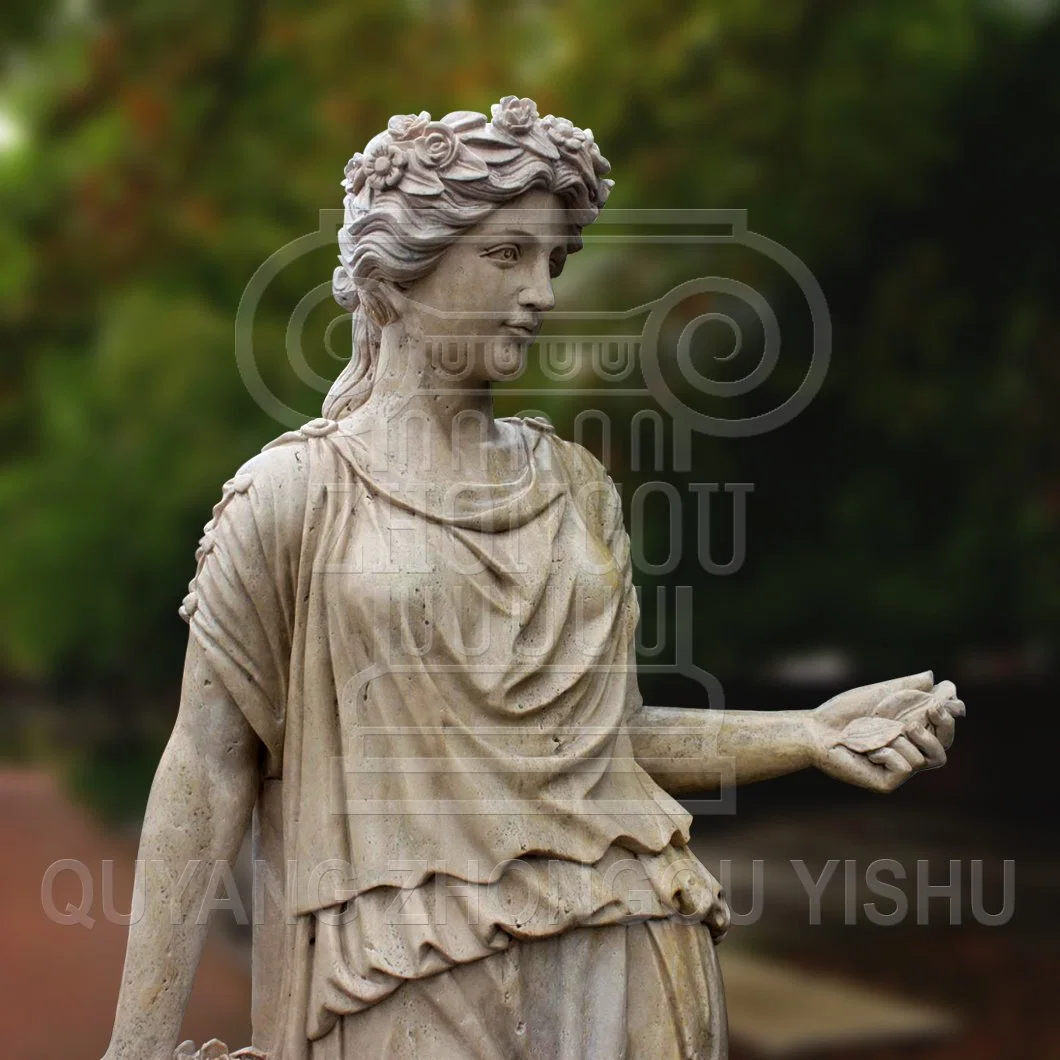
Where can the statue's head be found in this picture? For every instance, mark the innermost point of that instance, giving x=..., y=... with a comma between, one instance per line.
x=456, y=227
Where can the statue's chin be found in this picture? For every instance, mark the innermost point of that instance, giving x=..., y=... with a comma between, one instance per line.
x=507, y=358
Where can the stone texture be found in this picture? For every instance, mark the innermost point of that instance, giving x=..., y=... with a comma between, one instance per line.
x=411, y=655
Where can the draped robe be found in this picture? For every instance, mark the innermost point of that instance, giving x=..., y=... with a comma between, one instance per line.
x=440, y=678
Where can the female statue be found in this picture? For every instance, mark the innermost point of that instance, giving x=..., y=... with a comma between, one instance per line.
x=411, y=656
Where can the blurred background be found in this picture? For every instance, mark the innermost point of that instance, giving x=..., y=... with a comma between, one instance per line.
x=154, y=155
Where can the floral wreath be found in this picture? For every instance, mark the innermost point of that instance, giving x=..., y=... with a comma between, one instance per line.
x=418, y=156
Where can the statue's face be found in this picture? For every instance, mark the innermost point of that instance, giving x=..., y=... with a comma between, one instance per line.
x=480, y=308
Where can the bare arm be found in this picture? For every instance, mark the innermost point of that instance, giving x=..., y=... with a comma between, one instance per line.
x=701, y=750
x=198, y=811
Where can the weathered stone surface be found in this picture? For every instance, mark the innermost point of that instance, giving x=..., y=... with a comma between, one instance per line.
x=411, y=654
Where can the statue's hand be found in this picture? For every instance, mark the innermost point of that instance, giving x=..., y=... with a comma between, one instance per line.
x=878, y=736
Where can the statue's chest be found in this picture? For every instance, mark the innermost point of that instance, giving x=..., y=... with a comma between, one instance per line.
x=419, y=584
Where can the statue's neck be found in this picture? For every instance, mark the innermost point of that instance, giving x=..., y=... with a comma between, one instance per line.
x=423, y=418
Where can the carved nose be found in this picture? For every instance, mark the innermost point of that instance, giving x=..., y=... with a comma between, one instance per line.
x=540, y=297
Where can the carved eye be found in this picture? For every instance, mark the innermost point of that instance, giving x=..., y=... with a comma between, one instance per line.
x=505, y=254
x=556, y=263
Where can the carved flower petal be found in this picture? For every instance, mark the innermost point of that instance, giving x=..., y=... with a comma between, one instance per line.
x=408, y=126
x=514, y=114
x=438, y=145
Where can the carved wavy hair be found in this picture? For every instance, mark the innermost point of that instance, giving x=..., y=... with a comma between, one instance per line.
x=420, y=184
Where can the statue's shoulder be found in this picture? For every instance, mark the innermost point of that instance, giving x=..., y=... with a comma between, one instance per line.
x=537, y=424
x=261, y=512
x=284, y=462
x=277, y=479
x=579, y=464
x=588, y=480
x=290, y=445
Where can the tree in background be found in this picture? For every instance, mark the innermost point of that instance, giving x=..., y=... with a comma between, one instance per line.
x=905, y=152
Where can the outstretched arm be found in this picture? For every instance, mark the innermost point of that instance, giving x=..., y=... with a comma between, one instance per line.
x=701, y=750
x=197, y=814
x=875, y=736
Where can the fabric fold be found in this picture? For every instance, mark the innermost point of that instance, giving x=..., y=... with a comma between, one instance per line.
x=365, y=949
x=442, y=695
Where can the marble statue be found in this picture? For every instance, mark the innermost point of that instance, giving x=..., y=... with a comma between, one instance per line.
x=411, y=664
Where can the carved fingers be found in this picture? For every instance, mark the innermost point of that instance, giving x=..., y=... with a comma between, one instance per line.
x=907, y=728
x=880, y=771
x=933, y=731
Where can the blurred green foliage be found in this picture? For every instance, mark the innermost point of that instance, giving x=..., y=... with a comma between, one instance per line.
x=906, y=152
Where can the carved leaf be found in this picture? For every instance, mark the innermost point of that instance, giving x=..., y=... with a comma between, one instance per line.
x=870, y=734
x=418, y=181
x=945, y=690
x=542, y=143
x=466, y=166
x=497, y=154
x=490, y=135
x=900, y=704
x=464, y=120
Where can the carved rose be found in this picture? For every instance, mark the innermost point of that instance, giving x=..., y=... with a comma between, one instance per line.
x=564, y=133
x=384, y=165
x=408, y=126
x=438, y=146
x=514, y=115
